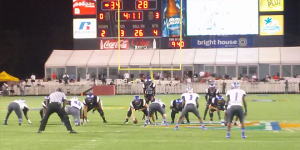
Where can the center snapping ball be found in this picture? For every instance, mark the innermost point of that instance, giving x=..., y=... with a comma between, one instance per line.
x=135, y=121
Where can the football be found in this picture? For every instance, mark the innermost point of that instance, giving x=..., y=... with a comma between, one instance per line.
x=135, y=121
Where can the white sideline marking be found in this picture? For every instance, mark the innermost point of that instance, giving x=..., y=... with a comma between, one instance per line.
x=288, y=129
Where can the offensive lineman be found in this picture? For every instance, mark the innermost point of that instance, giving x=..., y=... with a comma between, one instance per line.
x=235, y=97
x=211, y=94
x=190, y=104
x=149, y=93
x=137, y=104
x=176, y=106
x=75, y=109
x=157, y=105
x=93, y=102
x=18, y=106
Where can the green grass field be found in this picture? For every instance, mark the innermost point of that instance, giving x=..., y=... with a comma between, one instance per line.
x=116, y=135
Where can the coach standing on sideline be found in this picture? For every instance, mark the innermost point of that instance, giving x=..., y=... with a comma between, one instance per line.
x=54, y=105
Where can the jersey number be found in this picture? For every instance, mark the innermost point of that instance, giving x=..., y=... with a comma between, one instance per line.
x=236, y=95
x=191, y=97
x=79, y=104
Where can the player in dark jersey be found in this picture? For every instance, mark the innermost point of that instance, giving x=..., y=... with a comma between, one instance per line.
x=210, y=94
x=218, y=104
x=137, y=104
x=43, y=110
x=149, y=93
x=93, y=102
x=176, y=106
x=44, y=104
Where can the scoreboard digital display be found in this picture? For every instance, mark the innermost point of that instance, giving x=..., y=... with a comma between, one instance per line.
x=138, y=18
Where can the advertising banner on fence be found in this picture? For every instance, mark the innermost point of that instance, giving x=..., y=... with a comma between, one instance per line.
x=271, y=25
x=222, y=42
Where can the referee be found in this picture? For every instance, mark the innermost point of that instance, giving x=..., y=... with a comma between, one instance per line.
x=54, y=105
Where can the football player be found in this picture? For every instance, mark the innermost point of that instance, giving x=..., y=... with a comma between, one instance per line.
x=18, y=106
x=176, y=106
x=149, y=93
x=157, y=105
x=93, y=102
x=44, y=104
x=190, y=104
x=235, y=97
x=75, y=109
x=137, y=104
x=218, y=104
x=210, y=94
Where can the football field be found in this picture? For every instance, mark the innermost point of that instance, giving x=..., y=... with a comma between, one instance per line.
x=273, y=123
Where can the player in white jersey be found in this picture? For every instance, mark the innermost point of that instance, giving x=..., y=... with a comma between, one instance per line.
x=190, y=104
x=75, y=109
x=235, y=97
x=18, y=106
x=157, y=105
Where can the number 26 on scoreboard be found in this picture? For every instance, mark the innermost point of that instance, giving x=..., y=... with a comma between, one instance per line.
x=138, y=33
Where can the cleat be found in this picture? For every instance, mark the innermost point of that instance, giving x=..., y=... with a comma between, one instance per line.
x=188, y=122
x=72, y=131
x=4, y=123
x=145, y=125
x=165, y=124
x=244, y=137
x=39, y=131
x=210, y=122
x=182, y=122
x=228, y=135
x=204, y=118
x=19, y=123
x=204, y=129
x=126, y=122
x=176, y=128
x=172, y=122
x=104, y=121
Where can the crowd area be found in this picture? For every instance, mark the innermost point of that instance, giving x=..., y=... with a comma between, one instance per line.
x=101, y=79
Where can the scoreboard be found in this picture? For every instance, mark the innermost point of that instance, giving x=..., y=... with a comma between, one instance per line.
x=158, y=24
x=138, y=18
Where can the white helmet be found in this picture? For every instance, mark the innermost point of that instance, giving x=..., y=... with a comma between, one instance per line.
x=189, y=90
x=235, y=85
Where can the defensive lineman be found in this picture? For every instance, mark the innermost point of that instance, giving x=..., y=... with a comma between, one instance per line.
x=75, y=109
x=18, y=106
x=137, y=104
x=93, y=102
x=157, y=105
x=54, y=105
x=190, y=104
x=210, y=94
x=176, y=106
x=235, y=97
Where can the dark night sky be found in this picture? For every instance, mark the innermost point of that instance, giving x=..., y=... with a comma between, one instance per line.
x=31, y=29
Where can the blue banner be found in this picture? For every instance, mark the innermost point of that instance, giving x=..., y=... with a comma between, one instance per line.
x=222, y=42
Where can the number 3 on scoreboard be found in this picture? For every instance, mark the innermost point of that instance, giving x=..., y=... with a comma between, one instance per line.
x=103, y=33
